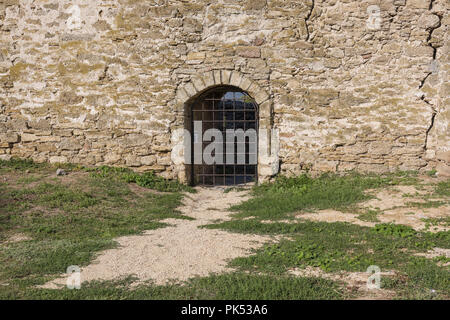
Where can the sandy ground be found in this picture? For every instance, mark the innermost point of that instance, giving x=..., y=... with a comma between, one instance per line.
x=354, y=281
x=437, y=252
x=394, y=207
x=180, y=251
x=18, y=237
x=184, y=250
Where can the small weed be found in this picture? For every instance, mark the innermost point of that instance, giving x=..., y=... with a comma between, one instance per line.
x=396, y=230
x=370, y=216
x=29, y=179
x=441, y=260
x=427, y=204
x=236, y=189
x=435, y=222
x=431, y=173
x=443, y=189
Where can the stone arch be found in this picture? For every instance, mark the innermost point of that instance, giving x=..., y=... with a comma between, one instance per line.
x=199, y=84
x=268, y=163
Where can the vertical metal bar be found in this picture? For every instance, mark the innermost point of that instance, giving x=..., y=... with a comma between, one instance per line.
x=234, y=148
x=193, y=167
x=257, y=140
x=203, y=145
x=214, y=126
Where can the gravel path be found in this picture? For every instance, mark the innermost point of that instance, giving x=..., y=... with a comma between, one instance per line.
x=180, y=251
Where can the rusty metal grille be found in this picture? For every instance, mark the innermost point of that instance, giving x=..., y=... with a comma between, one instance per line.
x=225, y=108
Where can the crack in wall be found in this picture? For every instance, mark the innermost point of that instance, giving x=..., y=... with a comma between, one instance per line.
x=431, y=5
x=308, y=35
x=433, y=116
x=422, y=83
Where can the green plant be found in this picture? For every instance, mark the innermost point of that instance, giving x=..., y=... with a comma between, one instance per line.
x=396, y=230
x=443, y=188
x=370, y=216
x=432, y=173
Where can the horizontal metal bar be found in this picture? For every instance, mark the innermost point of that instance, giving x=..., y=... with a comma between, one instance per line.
x=226, y=175
x=227, y=121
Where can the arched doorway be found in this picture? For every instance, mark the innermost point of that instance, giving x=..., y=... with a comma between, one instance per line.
x=224, y=137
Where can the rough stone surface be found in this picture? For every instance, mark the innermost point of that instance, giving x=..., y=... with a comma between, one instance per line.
x=110, y=85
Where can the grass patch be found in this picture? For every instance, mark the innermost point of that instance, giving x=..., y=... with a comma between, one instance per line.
x=287, y=195
x=396, y=230
x=436, y=222
x=147, y=180
x=443, y=189
x=370, y=216
x=59, y=212
x=29, y=166
x=235, y=286
x=69, y=221
x=40, y=258
x=431, y=173
x=20, y=165
x=29, y=179
x=335, y=247
x=426, y=204
x=236, y=189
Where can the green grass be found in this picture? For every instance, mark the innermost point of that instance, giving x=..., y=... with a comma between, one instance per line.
x=427, y=204
x=432, y=223
x=31, y=259
x=68, y=223
x=20, y=165
x=109, y=208
x=370, y=216
x=443, y=189
x=285, y=196
x=234, y=286
x=29, y=166
x=432, y=173
x=29, y=179
x=147, y=180
x=337, y=247
x=236, y=189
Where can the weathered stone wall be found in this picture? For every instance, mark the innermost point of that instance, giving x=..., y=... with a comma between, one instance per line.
x=105, y=88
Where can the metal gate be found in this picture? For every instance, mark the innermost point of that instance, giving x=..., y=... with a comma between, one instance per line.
x=225, y=108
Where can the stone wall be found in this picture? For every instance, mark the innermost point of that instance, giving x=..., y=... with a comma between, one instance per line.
x=101, y=84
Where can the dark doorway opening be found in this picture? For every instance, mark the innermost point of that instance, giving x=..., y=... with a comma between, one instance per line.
x=225, y=109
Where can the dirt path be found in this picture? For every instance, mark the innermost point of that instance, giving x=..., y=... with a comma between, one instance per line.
x=180, y=251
